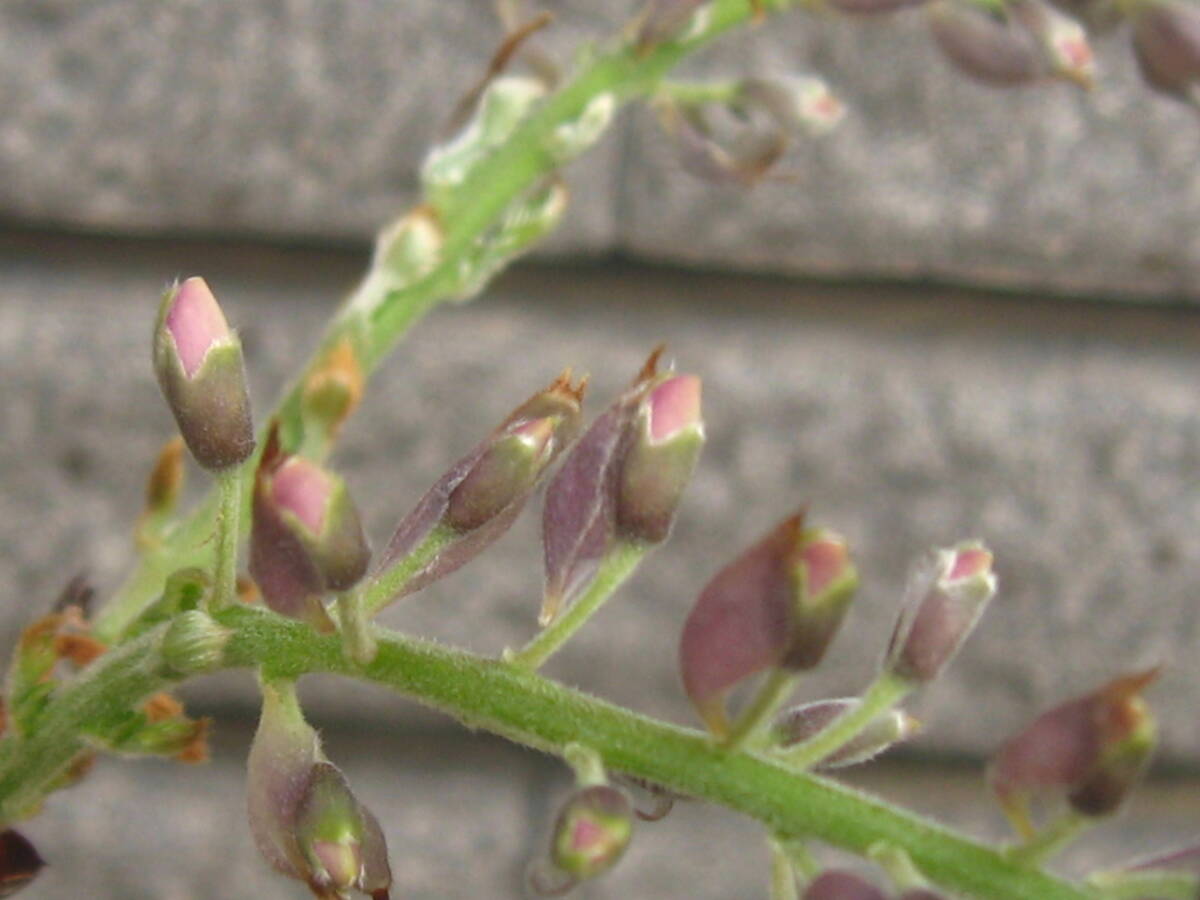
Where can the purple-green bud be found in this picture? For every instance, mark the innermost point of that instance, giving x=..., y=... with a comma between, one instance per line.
x=592, y=831
x=837, y=884
x=667, y=435
x=508, y=469
x=306, y=538
x=622, y=481
x=19, y=862
x=798, y=724
x=198, y=361
x=1092, y=749
x=305, y=820
x=946, y=594
x=664, y=20
x=480, y=496
x=1166, y=42
x=778, y=605
x=1013, y=43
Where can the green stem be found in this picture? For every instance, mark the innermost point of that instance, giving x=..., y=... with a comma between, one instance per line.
x=387, y=584
x=381, y=311
x=884, y=693
x=1051, y=840
x=539, y=713
x=783, y=875
x=698, y=93
x=356, y=630
x=617, y=566
x=229, y=507
x=771, y=695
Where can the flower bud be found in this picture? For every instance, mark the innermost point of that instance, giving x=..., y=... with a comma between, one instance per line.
x=1166, y=42
x=778, y=604
x=306, y=538
x=591, y=832
x=946, y=594
x=305, y=821
x=622, y=481
x=476, y=501
x=1092, y=749
x=1065, y=48
x=664, y=20
x=796, y=103
x=666, y=440
x=1012, y=43
x=836, y=884
x=19, y=862
x=798, y=724
x=198, y=361
x=194, y=643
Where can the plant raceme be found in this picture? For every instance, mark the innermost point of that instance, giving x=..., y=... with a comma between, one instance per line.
x=87, y=682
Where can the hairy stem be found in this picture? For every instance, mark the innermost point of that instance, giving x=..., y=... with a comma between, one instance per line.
x=229, y=506
x=529, y=709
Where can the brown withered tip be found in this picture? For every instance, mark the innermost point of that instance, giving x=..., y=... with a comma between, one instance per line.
x=195, y=750
x=649, y=368
x=161, y=706
x=166, y=477
x=19, y=862
x=1121, y=714
x=78, y=592
x=562, y=385
x=80, y=649
x=273, y=453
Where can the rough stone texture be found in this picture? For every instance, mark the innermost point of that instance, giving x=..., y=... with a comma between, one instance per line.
x=302, y=119
x=1065, y=435
x=934, y=175
x=294, y=119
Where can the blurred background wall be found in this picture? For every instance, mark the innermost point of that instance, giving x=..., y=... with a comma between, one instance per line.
x=854, y=349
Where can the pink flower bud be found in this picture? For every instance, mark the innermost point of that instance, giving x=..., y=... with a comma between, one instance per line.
x=1091, y=749
x=1166, y=41
x=306, y=538
x=592, y=831
x=1015, y=43
x=19, y=862
x=946, y=594
x=835, y=884
x=666, y=438
x=622, y=480
x=198, y=361
x=305, y=821
x=480, y=496
x=798, y=724
x=779, y=604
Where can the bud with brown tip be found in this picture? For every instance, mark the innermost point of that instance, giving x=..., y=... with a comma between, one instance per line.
x=1091, y=749
x=622, y=481
x=479, y=497
x=198, y=361
x=777, y=605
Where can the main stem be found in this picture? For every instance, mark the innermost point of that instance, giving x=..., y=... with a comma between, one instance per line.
x=539, y=713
